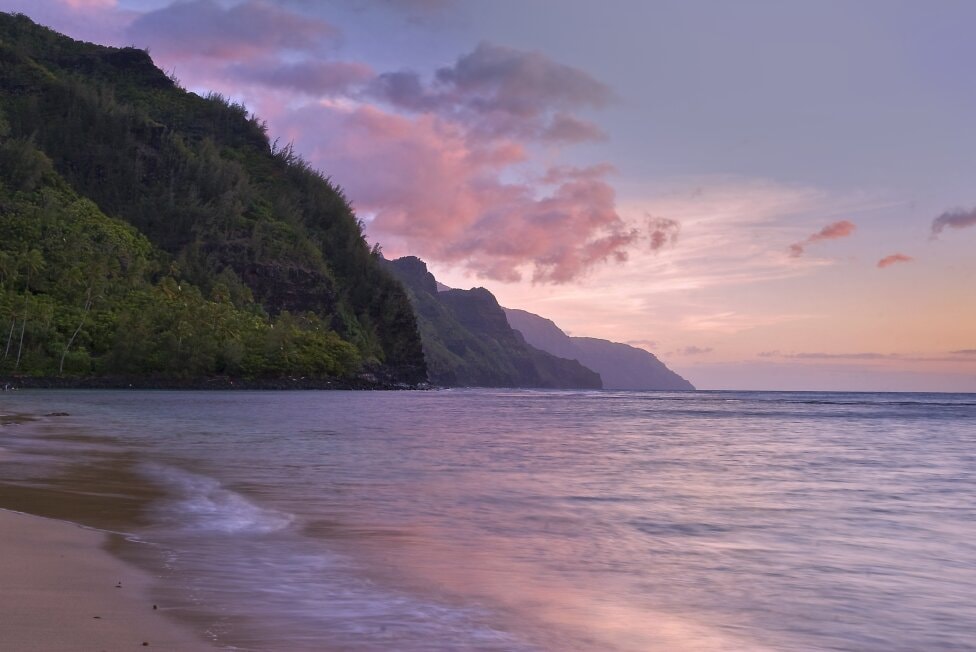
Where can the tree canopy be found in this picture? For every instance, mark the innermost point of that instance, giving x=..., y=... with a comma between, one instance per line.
x=148, y=230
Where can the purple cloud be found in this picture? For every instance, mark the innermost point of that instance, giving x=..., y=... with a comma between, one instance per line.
x=209, y=29
x=568, y=129
x=501, y=91
x=405, y=90
x=415, y=7
x=955, y=219
x=312, y=77
x=498, y=78
x=410, y=7
x=662, y=231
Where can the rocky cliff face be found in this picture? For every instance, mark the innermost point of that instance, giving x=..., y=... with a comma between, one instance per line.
x=620, y=366
x=468, y=342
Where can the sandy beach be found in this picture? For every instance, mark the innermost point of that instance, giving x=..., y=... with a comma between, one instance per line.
x=63, y=591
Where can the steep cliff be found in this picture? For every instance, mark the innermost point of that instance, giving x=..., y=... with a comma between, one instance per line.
x=620, y=366
x=468, y=342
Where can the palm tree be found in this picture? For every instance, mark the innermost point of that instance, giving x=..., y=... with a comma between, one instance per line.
x=10, y=335
x=8, y=273
x=8, y=268
x=32, y=262
x=89, y=299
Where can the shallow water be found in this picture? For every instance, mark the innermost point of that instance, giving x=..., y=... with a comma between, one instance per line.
x=522, y=520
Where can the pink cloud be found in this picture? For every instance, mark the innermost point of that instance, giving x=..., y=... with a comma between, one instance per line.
x=833, y=231
x=439, y=165
x=435, y=190
x=894, y=259
x=562, y=235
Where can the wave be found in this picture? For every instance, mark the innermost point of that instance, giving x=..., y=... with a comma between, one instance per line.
x=201, y=503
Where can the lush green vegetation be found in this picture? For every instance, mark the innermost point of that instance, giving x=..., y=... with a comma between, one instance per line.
x=468, y=342
x=147, y=230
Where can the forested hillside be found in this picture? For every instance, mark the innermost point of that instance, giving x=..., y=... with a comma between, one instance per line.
x=145, y=230
x=468, y=341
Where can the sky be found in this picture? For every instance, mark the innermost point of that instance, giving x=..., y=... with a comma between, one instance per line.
x=764, y=194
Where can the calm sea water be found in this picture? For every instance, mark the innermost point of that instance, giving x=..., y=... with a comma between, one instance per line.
x=522, y=520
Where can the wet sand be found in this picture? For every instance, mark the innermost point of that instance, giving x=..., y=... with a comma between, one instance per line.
x=62, y=590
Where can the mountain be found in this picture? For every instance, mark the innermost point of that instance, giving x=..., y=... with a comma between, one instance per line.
x=619, y=365
x=468, y=342
x=148, y=231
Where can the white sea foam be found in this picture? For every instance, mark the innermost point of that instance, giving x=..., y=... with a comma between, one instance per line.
x=201, y=503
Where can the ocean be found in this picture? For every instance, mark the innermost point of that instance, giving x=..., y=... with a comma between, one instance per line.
x=496, y=520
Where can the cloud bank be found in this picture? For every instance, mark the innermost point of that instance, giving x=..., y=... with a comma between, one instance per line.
x=434, y=190
x=445, y=164
x=951, y=356
x=497, y=91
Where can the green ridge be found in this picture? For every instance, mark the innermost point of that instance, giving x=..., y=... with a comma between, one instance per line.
x=145, y=230
x=468, y=341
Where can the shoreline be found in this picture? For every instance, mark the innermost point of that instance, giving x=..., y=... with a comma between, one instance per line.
x=75, y=572
x=63, y=590
x=13, y=383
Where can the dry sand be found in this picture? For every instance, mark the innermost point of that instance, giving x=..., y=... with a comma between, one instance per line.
x=60, y=590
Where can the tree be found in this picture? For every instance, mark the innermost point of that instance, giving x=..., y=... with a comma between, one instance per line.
x=32, y=262
x=84, y=315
